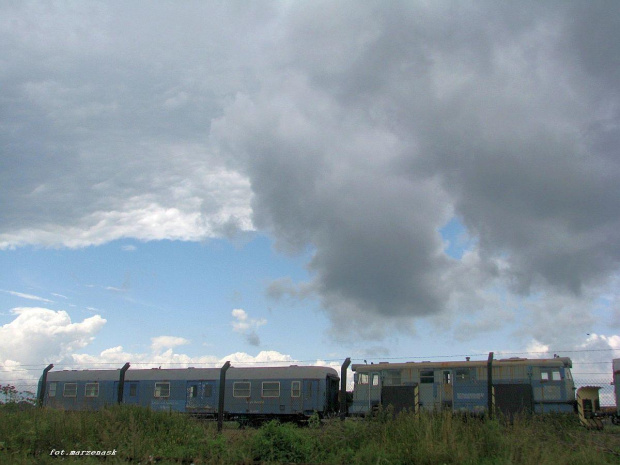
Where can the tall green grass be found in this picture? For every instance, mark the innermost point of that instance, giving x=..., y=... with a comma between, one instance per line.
x=143, y=436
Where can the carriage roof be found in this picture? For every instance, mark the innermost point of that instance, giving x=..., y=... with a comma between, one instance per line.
x=170, y=374
x=549, y=362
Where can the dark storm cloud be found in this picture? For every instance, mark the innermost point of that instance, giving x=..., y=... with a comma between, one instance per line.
x=392, y=118
x=361, y=129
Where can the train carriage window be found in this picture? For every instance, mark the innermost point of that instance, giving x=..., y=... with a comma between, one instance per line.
x=208, y=390
x=463, y=374
x=193, y=391
x=296, y=389
x=133, y=389
x=271, y=389
x=70, y=390
x=162, y=390
x=241, y=389
x=52, y=390
x=391, y=378
x=91, y=390
x=427, y=377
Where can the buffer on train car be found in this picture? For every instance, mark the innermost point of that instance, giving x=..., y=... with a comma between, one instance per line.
x=589, y=407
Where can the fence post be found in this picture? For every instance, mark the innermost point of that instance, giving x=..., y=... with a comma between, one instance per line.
x=42, y=383
x=121, y=384
x=220, y=409
x=343, y=388
x=490, y=384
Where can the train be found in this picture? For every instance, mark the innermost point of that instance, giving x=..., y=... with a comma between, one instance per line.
x=510, y=385
x=249, y=395
x=296, y=392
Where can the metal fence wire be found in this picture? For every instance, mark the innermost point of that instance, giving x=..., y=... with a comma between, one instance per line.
x=607, y=394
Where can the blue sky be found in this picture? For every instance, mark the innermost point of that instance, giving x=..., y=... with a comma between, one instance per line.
x=282, y=181
x=181, y=289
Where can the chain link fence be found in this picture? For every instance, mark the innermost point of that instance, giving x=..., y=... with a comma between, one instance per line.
x=607, y=394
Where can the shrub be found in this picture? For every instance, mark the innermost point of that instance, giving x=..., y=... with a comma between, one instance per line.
x=276, y=442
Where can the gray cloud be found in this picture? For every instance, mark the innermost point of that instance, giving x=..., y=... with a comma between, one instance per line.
x=104, y=124
x=390, y=120
x=355, y=131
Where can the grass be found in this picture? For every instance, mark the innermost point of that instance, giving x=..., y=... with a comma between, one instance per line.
x=143, y=436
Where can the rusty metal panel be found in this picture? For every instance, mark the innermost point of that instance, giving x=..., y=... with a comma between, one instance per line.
x=399, y=397
x=514, y=398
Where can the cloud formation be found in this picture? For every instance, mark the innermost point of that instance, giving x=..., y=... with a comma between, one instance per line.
x=40, y=335
x=29, y=296
x=247, y=326
x=354, y=131
x=167, y=342
x=366, y=149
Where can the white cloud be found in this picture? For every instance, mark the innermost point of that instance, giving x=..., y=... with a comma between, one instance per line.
x=145, y=218
x=167, y=342
x=247, y=326
x=29, y=296
x=536, y=349
x=41, y=336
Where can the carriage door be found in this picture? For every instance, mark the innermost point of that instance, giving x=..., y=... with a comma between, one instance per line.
x=200, y=395
x=296, y=399
x=447, y=389
x=311, y=395
x=427, y=389
x=130, y=393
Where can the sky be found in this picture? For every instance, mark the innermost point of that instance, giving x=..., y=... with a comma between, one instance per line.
x=185, y=183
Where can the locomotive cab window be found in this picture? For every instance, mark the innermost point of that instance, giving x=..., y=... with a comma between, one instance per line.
x=271, y=389
x=362, y=378
x=463, y=374
x=550, y=375
x=162, y=390
x=375, y=379
x=391, y=378
x=193, y=391
x=52, y=390
x=91, y=390
x=427, y=377
x=241, y=389
x=70, y=390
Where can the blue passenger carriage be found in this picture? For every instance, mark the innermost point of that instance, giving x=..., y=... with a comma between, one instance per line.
x=290, y=392
x=81, y=390
x=515, y=384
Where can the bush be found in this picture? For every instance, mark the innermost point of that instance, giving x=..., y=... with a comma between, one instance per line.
x=276, y=442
